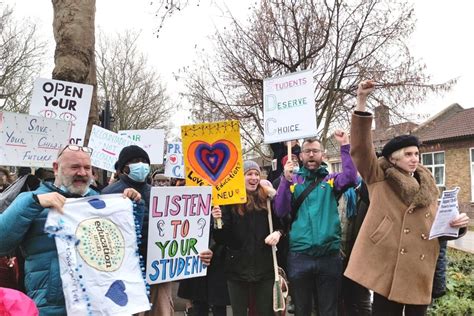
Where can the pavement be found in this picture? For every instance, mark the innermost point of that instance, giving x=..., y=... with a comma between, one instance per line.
x=465, y=243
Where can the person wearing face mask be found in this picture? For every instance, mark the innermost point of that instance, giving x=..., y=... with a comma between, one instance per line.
x=133, y=166
x=393, y=255
x=248, y=240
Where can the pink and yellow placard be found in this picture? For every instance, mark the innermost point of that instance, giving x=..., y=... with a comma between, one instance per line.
x=213, y=156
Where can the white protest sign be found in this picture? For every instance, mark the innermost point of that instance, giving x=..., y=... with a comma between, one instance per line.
x=448, y=209
x=151, y=140
x=32, y=141
x=174, y=165
x=178, y=231
x=288, y=107
x=98, y=259
x=106, y=147
x=62, y=100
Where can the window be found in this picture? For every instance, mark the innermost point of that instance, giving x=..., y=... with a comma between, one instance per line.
x=336, y=167
x=472, y=174
x=435, y=163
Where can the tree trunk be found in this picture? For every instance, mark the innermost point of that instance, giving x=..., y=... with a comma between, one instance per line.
x=74, y=57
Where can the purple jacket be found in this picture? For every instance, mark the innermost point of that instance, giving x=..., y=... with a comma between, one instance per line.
x=342, y=180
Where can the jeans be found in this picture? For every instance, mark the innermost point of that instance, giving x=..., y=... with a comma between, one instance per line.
x=308, y=274
x=383, y=307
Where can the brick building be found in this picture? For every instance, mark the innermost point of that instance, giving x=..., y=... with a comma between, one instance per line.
x=448, y=151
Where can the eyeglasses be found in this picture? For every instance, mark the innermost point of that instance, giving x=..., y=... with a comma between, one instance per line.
x=314, y=151
x=87, y=150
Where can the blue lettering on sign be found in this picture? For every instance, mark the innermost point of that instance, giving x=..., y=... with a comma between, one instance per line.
x=174, y=148
x=172, y=268
x=177, y=171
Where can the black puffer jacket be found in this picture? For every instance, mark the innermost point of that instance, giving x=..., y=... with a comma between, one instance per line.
x=248, y=258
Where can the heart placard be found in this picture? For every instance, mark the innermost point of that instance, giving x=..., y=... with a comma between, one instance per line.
x=213, y=162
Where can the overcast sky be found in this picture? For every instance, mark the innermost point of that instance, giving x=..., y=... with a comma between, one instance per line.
x=443, y=38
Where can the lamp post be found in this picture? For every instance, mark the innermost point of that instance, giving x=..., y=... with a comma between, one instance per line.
x=105, y=121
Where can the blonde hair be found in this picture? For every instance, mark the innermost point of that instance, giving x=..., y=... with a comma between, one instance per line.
x=398, y=154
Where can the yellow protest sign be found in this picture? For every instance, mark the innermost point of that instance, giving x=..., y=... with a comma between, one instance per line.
x=213, y=156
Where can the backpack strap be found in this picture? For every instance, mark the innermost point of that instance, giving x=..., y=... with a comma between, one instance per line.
x=295, y=205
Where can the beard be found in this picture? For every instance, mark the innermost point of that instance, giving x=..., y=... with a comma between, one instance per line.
x=75, y=184
x=311, y=164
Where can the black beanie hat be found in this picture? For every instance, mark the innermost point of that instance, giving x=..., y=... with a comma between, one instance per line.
x=399, y=142
x=128, y=153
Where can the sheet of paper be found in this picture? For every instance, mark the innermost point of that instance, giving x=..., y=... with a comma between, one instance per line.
x=448, y=209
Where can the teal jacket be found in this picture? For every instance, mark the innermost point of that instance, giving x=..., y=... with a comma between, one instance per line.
x=22, y=224
x=316, y=230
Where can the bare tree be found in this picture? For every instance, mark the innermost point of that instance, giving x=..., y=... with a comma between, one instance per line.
x=166, y=8
x=341, y=41
x=138, y=99
x=74, y=59
x=21, y=55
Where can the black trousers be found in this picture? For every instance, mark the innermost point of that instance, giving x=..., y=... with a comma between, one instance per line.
x=383, y=307
x=355, y=299
x=202, y=309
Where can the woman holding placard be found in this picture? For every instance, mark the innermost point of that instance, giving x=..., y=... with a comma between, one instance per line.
x=248, y=241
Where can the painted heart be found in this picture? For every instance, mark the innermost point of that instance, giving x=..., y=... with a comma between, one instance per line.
x=212, y=162
x=173, y=159
x=97, y=203
x=116, y=293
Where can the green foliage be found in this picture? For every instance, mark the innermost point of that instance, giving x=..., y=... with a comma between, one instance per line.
x=459, y=298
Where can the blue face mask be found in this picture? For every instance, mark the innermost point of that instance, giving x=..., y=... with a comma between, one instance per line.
x=138, y=171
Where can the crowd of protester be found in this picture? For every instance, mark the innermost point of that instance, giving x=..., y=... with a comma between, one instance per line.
x=339, y=235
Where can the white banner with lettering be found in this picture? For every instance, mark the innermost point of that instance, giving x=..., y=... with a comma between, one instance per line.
x=63, y=100
x=151, y=140
x=106, y=147
x=98, y=256
x=32, y=141
x=178, y=231
x=288, y=107
x=174, y=165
